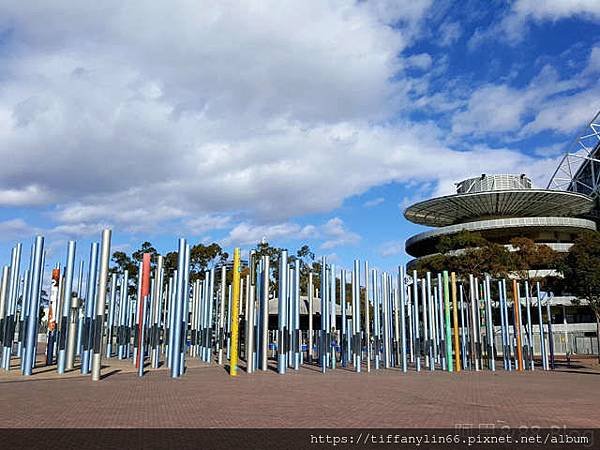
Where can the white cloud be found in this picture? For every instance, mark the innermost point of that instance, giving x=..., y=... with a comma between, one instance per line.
x=373, y=202
x=449, y=33
x=557, y=9
x=501, y=108
x=29, y=195
x=332, y=233
x=207, y=222
x=391, y=248
x=422, y=61
x=337, y=234
x=144, y=117
x=15, y=229
x=249, y=234
x=514, y=24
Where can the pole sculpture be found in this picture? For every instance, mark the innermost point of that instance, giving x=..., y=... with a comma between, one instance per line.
x=541, y=328
x=122, y=335
x=416, y=320
x=32, y=326
x=324, y=319
x=432, y=348
x=367, y=314
x=235, y=308
x=356, y=312
x=376, y=318
x=100, y=305
x=156, y=322
x=4, y=300
x=447, y=320
x=221, y=338
x=425, y=323
x=111, y=315
x=529, y=326
x=442, y=321
x=265, y=311
x=145, y=291
x=310, y=317
x=455, y=318
x=402, y=289
x=281, y=313
x=550, y=334
x=65, y=308
x=517, y=325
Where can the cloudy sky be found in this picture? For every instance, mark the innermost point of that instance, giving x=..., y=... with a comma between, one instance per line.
x=299, y=121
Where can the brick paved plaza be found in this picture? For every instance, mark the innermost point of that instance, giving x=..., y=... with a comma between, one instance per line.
x=207, y=397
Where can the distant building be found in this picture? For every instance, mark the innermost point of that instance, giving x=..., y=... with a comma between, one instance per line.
x=503, y=207
x=500, y=208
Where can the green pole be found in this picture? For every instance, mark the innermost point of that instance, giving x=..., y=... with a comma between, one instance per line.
x=448, y=328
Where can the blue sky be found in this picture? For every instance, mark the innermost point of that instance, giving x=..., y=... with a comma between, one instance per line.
x=310, y=121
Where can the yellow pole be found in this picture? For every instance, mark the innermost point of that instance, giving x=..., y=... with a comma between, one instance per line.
x=455, y=317
x=235, y=310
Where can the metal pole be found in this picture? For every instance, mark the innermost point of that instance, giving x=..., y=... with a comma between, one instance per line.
x=550, y=334
x=356, y=300
x=223, y=292
x=541, y=328
x=32, y=325
x=489, y=323
x=416, y=333
x=235, y=313
x=66, y=307
x=367, y=316
x=100, y=305
x=265, y=311
x=310, y=316
x=517, y=326
x=402, y=289
x=448, y=326
x=529, y=330
x=455, y=317
x=111, y=315
x=323, y=334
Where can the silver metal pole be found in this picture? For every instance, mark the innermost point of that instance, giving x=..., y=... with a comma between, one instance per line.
x=265, y=312
x=100, y=305
x=66, y=309
x=367, y=316
x=310, y=316
x=223, y=292
x=32, y=325
x=402, y=289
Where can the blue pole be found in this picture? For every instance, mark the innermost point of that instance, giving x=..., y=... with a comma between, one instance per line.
x=66, y=307
x=324, y=319
x=32, y=326
x=541, y=329
x=89, y=310
x=402, y=289
x=178, y=311
x=282, y=313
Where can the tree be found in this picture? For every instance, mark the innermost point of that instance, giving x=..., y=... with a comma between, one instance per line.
x=468, y=253
x=203, y=257
x=122, y=262
x=146, y=247
x=527, y=256
x=581, y=269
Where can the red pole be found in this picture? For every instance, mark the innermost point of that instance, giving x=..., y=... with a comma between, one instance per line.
x=145, y=293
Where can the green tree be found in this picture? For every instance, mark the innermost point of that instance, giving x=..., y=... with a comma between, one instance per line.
x=203, y=257
x=581, y=270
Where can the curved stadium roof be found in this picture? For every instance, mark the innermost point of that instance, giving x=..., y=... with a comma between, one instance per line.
x=458, y=208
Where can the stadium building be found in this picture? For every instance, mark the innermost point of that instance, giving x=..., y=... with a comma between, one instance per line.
x=499, y=208
x=502, y=207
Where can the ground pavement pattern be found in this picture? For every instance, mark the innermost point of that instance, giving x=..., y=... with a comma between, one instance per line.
x=207, y=397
